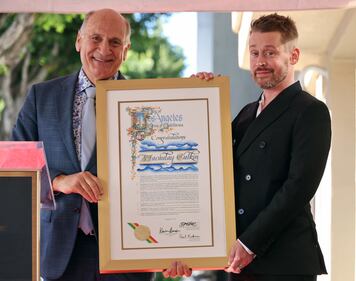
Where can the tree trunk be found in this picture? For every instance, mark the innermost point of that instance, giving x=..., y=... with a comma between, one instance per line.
x=14, y=54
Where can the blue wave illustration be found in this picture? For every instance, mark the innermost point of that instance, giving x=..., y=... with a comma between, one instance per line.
x=147, y=145
x=168, y=168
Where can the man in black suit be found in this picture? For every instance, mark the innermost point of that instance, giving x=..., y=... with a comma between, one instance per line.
x=280, y=144
x=54, y=113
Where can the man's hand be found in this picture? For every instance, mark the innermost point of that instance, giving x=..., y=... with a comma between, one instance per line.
x=176, y=269
x=83, y=183
x=204, y=75
x=238, y=258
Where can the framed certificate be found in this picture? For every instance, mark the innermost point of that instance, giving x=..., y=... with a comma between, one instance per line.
x=165, y=162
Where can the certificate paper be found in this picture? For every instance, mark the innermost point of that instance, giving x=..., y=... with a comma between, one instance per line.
x=163, y=156
x=168, y=151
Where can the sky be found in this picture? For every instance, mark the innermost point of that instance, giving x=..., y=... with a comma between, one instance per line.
x=181, y=29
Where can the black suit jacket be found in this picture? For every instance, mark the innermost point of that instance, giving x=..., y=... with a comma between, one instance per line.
x=279, y=159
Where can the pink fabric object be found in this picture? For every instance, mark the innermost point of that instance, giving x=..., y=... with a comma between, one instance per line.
x=28, y=156
x=154, y=6
x=22, y=155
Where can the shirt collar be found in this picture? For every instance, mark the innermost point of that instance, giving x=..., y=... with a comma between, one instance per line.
x=262, y=99
x=260, y=102
x=83, y=81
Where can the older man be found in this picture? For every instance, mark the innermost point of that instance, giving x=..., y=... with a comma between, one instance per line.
x=61, y=113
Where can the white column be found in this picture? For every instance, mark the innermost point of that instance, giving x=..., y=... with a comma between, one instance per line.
x=342, y=97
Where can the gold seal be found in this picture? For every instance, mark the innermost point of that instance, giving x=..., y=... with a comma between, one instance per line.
x=142, y=232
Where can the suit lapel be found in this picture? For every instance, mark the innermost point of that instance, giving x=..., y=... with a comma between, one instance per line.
x=272, y=112
x=243, y=122
x=64, y=99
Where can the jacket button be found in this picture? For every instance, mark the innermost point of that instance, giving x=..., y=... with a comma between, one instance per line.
x=248, y=177
x=240, y=211
x=262, y=144
x=77, y=210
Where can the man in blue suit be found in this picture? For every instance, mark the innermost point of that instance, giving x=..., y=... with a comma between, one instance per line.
x=52, y=113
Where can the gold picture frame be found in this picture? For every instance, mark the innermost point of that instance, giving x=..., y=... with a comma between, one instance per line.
x=165, y=162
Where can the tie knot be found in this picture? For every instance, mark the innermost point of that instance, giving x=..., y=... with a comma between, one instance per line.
x=90, y=92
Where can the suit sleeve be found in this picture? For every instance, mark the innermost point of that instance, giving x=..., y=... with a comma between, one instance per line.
x=26, y=126
x=310, y=147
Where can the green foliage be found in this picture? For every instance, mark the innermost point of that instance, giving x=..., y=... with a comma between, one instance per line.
x=56, y=22
x=52, y=44
x=161, y=60
x=2, y=105
x=150, y=56
x=3, y=69
x=6, y=20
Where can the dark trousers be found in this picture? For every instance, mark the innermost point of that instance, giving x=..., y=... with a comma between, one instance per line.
x=249, y=277
x=84, y=264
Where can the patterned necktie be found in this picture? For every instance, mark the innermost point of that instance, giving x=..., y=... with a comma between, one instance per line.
x=88, y=138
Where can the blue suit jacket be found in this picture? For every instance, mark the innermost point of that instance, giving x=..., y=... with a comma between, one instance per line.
x=47, y=116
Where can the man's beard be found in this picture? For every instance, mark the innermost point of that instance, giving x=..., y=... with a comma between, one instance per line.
x=275, y=79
